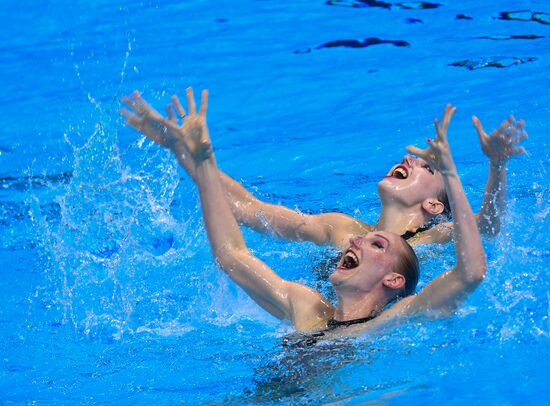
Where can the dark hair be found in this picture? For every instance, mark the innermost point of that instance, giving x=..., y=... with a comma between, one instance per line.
x=407, y=265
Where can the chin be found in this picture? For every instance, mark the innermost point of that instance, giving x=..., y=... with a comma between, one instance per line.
x=390, y=193
x=388, y=185
x=336, y=278
x=386, y=190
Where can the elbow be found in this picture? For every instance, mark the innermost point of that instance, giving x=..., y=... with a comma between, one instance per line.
x=480, y=274
x=477, y=274
x=472, y=270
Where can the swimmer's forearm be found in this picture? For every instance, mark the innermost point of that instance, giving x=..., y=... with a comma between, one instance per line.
x=259, y=281
x=260, y=216
x=271, y=218
x=234, y=189
x=494, y=199
x=223, y=231
x=243, y=203
x=183, y=158
x=246, y=208
x=469, y=250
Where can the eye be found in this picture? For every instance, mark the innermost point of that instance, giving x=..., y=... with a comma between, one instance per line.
x=426, y=166
x=378, y=245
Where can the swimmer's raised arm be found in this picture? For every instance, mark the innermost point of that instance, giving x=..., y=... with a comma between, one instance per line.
x=500, y=146
x=190, y=142
x=323, y=229
x=445, y=292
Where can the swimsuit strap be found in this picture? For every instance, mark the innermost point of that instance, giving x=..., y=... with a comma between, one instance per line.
x=331, y=323
x=410, y=234
x=307, y=340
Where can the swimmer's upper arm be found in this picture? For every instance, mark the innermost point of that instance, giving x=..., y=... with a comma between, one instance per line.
x=444, y=294
x=442, y=233
x=309, y=309
x=258, y=280
x=281, y=298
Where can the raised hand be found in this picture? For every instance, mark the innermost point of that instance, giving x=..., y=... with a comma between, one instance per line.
x=194, y=131
x=147, y=120
x=438, y=154
x=190, y=139
x=502, y=143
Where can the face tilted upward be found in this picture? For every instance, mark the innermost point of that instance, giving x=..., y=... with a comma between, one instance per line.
x=368, y=259
x=410, y=182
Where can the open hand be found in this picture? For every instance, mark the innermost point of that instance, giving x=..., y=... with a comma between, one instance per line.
x=145, y=119
x=438, y=154
x=502, y=143
x=188, y=139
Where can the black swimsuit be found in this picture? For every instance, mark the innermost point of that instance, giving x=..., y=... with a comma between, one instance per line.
x=334, y=324
x=410, y=234
x=311, y=339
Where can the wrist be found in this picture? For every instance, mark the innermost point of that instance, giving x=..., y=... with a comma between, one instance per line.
x=449, y=173
x=448, y=169
x=497, y=164
x=202, y=169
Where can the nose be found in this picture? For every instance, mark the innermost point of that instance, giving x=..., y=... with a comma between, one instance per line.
x=408, y=160
x=356, y=241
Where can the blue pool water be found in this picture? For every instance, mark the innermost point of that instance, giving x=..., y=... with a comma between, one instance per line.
x=109, y=293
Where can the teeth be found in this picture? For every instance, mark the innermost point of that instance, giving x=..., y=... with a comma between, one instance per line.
x=400, y=173
x=350, y=260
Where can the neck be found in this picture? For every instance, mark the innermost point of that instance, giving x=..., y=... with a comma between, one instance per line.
x=358, y=305
x=398, y=220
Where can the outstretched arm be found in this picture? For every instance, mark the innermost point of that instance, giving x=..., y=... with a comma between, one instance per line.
x=500, y=146
x=446, y=292
x=323, y=229
x=190, y=142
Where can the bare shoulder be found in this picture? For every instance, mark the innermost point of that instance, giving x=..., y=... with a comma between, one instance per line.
x=439, y=234
x=309, y=309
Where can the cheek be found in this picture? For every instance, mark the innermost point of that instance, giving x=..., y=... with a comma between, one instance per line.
x=427, y=185
x=384, y=260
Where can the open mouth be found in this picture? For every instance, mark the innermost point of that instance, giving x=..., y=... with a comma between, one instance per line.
x=350, y=260
x=399, y=172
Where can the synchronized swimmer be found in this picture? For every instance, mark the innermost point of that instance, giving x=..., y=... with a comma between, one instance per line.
x=378, y=265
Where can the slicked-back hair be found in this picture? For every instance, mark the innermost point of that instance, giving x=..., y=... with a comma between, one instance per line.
x=407, y=265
